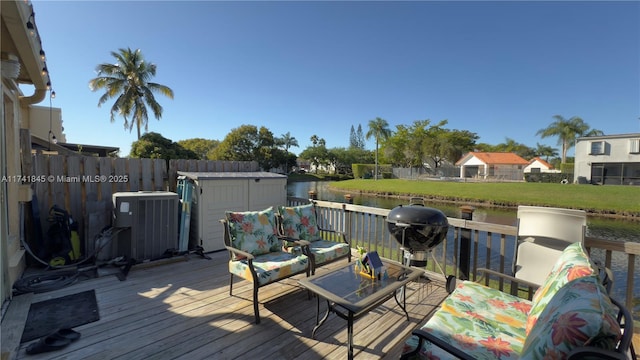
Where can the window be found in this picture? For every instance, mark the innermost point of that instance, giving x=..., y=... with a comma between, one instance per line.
x=597, y=148
x=634, y=146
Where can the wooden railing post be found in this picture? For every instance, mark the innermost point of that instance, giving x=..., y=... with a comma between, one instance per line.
x=347, y=224
x=466, y=213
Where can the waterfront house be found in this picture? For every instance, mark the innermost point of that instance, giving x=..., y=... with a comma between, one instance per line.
x=492, y=166
x=539, y=165
x=608, y=159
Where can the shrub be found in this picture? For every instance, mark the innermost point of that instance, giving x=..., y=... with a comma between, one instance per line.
x=548, y=177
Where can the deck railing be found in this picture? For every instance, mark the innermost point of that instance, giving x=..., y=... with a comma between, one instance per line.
x=490, y=246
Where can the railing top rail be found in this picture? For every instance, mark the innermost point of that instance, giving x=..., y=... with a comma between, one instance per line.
x=611, y=245
x=625, y=247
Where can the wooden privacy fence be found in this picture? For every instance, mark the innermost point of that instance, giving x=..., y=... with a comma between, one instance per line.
x=84, y=185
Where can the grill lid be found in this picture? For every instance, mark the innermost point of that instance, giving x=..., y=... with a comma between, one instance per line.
x=416, y=227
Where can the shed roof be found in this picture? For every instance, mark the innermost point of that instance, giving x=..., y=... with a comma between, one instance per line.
x=494, y=158
x=231, y=175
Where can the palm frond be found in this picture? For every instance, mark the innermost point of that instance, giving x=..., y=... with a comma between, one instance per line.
x=128, y=82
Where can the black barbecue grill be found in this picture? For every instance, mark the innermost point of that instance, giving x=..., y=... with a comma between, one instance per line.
x=417, y=229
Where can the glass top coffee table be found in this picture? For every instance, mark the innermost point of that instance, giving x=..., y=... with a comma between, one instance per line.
x=350, y=294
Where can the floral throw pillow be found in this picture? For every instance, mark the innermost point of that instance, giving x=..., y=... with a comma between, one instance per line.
x=579, y=314
x=300, y=222
x=253, y=231
x=572, y=264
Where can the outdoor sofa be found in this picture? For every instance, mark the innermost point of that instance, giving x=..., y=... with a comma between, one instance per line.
x=300, y=223
x=571, y=316
x=268, y=246
x=257, y=253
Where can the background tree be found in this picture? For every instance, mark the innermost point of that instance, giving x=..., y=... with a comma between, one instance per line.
x=360, y=137
x=458, y=143
x=287, y=141
x=314, y=139
x=353, y=140
x=202, y=147
x=154, y=146
x=317, y=154
x=128, y=80
x=567, y=131
x=396, y=150
x=248, y=143
x=545, y=151
x=512, y=146
x=379, y=129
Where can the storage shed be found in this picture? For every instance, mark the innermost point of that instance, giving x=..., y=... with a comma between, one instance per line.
x=217, y=192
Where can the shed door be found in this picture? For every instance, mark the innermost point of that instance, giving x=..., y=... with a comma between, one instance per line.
x=267, y=192
x=217, y=197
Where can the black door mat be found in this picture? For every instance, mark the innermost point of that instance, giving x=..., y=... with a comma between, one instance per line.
x=69, y=311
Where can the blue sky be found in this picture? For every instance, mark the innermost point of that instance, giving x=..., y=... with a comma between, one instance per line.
x=499, y=69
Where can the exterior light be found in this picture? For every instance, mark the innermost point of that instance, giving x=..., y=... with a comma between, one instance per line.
x=30, y=26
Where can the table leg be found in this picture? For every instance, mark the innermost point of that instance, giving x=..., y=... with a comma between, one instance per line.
x=350, y=335
x=403, y=306
x=324, y=318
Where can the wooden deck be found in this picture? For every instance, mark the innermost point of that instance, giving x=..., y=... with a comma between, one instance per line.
x=182, y=310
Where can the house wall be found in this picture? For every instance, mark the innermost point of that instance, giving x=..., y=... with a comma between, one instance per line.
x=4, y=233
x=39, y=120
x=474, y=162
x=616, y=150
x=538, y=165
x=11, y=187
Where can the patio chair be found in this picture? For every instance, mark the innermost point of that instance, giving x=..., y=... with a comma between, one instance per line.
x=256, y=252
x=543, y=233
x=324, y=246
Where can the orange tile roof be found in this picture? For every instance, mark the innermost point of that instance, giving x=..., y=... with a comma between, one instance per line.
x=495, y=158
x=539, y=159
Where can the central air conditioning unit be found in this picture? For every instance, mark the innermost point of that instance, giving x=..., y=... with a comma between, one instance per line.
x=148, y=224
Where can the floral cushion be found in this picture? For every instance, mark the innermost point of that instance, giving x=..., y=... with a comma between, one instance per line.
x=254, y=231
x=270, y=267
x=572, y=306
x=325, y=250
x=300, y=222
x=579, y=314
x=572, y=264
x=471, y=335
x=477, y=314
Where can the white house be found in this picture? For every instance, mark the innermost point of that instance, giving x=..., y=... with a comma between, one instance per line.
x=492, y=165
x=608, y=159
x=538, y=165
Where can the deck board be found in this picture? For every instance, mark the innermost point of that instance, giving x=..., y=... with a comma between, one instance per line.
x=182, y=310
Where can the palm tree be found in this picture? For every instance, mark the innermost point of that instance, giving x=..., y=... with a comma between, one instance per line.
x=567, y=131
x=378, y=128
x=314, y=139
x=288, y=141
x=546, y=151
x=128, y=81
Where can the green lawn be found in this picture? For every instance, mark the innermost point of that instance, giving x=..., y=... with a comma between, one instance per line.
x=621, y=200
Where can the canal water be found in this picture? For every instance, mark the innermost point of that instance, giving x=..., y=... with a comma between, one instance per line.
x=599, y=227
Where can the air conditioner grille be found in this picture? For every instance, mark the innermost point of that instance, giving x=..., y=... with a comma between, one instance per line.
x=153, y=219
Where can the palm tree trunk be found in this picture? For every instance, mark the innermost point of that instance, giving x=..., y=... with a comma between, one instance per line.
x=375, y=176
